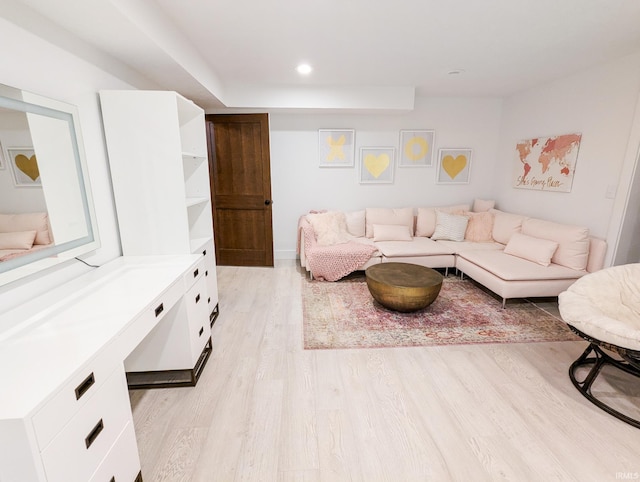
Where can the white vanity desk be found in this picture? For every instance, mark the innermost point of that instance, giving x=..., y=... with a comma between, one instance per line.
x=64, y=405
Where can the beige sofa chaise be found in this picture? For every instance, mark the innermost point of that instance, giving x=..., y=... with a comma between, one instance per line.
x=514, y=256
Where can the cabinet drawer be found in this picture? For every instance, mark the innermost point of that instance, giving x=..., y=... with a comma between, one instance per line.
x=165, y=302
x=74, y=453
x=50, y=419
x=194, y=274
x=198, y=316
x=210, y=273
x=122, y=463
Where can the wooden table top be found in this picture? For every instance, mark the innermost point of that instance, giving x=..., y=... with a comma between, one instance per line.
x=404, y=275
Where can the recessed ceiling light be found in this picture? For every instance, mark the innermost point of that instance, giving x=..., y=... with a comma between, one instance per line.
x=456, y=72
x=304, y=69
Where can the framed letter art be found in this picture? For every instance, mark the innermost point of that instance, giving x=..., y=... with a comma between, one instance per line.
x=336, y=147
x=416, y=148
x=454, y=166
x=376, y=165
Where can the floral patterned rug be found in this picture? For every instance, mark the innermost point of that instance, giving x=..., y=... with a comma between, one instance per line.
x=344, y=315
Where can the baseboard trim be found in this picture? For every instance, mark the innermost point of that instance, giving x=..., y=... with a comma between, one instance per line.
x=170, y=378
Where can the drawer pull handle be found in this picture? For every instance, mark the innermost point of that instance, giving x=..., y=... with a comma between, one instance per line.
x=86, y=384
x=198, y=298
x=206, y=273
x=195, y=273
x=93, y=435
x=209, y=299
x=204, y=253
x=159, y=309
x=201, y=331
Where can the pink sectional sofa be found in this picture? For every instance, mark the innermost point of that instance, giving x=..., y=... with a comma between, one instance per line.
x=514, y=256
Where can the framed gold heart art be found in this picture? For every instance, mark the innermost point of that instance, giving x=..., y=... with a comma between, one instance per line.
x=376, y=165
x=24, y=166
x=454, y=166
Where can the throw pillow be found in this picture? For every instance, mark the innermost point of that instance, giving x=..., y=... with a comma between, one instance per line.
x=391, y=232
x=17, y=240
x=330, y=228
x=450, y=226
x=426, y=218
x=483, y=205
x=533, y=249
x=479, y=227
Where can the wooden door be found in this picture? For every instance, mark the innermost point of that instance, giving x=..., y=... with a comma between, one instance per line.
x=240, y=177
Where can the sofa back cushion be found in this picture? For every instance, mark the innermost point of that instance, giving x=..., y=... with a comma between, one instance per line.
x=402, y=217
x=426, y=218
x=505, y=224
x=39, y=222
x=355, y=223
x=573, y=241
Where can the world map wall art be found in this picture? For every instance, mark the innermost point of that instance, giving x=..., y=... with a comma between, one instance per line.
x=547, y=163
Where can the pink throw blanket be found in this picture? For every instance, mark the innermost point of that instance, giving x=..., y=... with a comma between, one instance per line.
x=330, y=263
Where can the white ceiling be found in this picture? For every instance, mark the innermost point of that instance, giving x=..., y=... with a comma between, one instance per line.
x=366, y=54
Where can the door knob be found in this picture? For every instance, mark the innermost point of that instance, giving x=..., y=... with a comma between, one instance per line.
x=267, y=202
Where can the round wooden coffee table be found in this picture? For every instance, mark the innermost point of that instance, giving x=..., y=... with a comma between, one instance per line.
x=402, y=286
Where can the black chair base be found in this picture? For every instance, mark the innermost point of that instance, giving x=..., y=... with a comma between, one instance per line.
x=629, y=363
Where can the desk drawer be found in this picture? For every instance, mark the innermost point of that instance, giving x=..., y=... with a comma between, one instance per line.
x=80, y=447
x=122, y=464
x=50, y=419
x=198, y=316
x=194, y=274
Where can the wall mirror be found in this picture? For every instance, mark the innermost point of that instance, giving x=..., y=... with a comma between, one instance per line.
x=43, y=182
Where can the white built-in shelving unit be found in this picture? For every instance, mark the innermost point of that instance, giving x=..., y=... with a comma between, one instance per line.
x=156, y=142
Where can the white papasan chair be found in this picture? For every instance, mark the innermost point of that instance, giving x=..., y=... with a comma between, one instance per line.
x=604, y=308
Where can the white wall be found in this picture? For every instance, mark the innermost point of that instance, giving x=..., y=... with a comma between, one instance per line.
x=599, y=103
x=298, y=184
x=30, y=63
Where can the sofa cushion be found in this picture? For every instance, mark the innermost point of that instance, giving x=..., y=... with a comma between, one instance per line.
x=329, y=227
x=17, y=240
x=417, y=247
x=573, y=241
x=355, y=222
x=457, y=247
x=402, y=217
x=505, y=224
x=510, y=268
x=426, y=218
x=483, y=205
x=534, y=249
x=450, y=226
x=27, y=222
x=391, y=232
x=480, y=227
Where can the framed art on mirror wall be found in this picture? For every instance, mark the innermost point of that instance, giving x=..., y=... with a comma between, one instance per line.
x=24, y=166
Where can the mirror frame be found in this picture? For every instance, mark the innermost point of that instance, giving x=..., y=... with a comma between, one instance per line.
x=16, y=268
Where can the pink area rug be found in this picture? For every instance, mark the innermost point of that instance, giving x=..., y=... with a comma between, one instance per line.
x=344, y=315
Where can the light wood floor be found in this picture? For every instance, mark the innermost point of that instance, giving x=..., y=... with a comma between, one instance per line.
x=267, y=410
